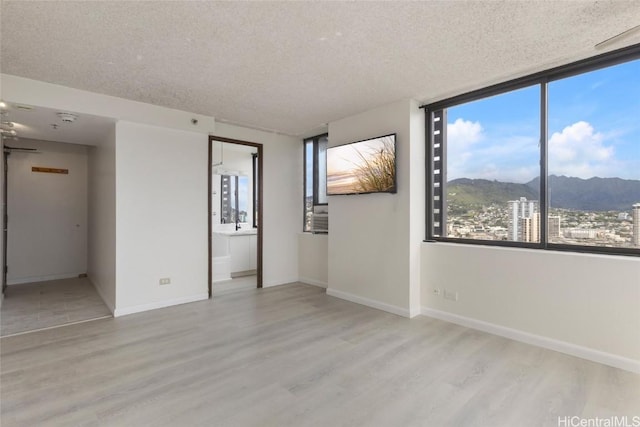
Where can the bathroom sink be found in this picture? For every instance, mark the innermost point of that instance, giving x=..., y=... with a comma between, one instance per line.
x=241, y=232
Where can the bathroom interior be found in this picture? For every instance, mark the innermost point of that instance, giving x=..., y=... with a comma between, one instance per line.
x=234, y=208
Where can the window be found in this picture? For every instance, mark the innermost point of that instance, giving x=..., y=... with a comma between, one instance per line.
x=492, y=168
x=594, y=157
x=315, y=177
x=547, y=161
x=233, y=201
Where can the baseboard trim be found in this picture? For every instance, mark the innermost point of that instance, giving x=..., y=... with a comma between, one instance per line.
x=538, y=340
x=160, y=304
x=369, y=302
x=313, y=282
x=43, y=278
x=415, y=311
x=271, y=283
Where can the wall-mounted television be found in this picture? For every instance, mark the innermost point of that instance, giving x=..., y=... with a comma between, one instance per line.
x=362, y=167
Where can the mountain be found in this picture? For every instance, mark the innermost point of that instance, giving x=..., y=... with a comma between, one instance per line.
x=478, y=192
x=594, y=194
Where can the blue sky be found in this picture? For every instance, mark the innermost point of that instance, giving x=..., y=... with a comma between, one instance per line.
x=594, y=129
x=243, y=193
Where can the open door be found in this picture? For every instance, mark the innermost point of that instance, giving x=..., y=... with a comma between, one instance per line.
x=233, y=220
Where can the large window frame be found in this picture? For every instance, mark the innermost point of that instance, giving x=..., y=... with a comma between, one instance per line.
x=315, y=143
x=436, y=161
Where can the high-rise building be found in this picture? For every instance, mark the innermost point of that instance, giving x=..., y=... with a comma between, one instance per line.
x=524, y=225
x=636, y=225
x=530, y=228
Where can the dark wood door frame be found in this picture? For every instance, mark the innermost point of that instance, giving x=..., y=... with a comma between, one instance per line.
x=260, y=203
x=5, y=158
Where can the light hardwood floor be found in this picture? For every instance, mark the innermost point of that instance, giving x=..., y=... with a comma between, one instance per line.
x=32, y=306
x=241, y=283
x=293, y=356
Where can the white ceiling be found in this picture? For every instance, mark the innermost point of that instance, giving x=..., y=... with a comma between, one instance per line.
x=293, y=66
x=36, y=123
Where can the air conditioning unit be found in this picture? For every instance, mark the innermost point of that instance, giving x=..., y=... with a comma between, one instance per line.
x=320, y=223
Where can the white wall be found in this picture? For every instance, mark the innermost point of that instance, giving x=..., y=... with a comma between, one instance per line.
x=169, y=178
x=417, y=201
x=373, y=256
x=313, y=252
x=161, y=216
x=582, y=304
x=102, y=218
x=282, y=210
x=47, y=212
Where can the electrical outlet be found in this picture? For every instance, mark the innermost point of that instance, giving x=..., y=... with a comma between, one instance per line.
x=165, y=281
x=450, y=295
x=436, y=291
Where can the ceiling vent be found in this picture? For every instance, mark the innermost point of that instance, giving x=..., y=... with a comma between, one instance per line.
x=67, y=117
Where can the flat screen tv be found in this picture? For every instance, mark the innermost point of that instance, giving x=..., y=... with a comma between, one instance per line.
x=362, y=167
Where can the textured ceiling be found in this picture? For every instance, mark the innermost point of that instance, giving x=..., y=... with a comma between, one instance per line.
x=38, y=123
x=292, y=66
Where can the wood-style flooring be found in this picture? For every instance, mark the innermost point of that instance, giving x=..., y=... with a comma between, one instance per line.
x=293, y=356
x=32, y=306
x=236, y=284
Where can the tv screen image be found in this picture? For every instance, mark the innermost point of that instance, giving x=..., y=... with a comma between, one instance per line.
x=367, y=166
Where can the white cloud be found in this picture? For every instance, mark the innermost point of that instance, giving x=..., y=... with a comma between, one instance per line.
x=580, y=151
x=463, y=133
x=472, y=153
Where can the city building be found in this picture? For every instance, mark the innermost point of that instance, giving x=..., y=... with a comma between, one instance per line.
x=636, y=224
x=530, y=228
x=523, y=224
x=581, y=233
x=554, y=230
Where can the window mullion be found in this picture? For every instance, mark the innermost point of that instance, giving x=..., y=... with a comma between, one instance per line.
x=437, y=173
x=316, y=150
x=544, y=190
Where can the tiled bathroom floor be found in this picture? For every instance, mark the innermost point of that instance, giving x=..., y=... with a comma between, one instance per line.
x=33, y=306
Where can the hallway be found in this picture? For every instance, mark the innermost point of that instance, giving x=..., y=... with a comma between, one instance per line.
x=34, y=306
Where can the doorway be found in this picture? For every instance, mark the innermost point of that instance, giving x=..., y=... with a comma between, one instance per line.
x=235, y=215
x=45, y=204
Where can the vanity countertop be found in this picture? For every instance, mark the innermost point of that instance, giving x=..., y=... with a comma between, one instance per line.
x=241, y=232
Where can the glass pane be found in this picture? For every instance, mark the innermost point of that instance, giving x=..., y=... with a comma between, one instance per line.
x=322, y=170
x=492, y=168
x=227, y=200
x=308, y=184
x=243, y=199
x=594, y=158
x=232, y=198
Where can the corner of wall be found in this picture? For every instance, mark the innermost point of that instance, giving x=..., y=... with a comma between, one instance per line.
x=374, y=253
